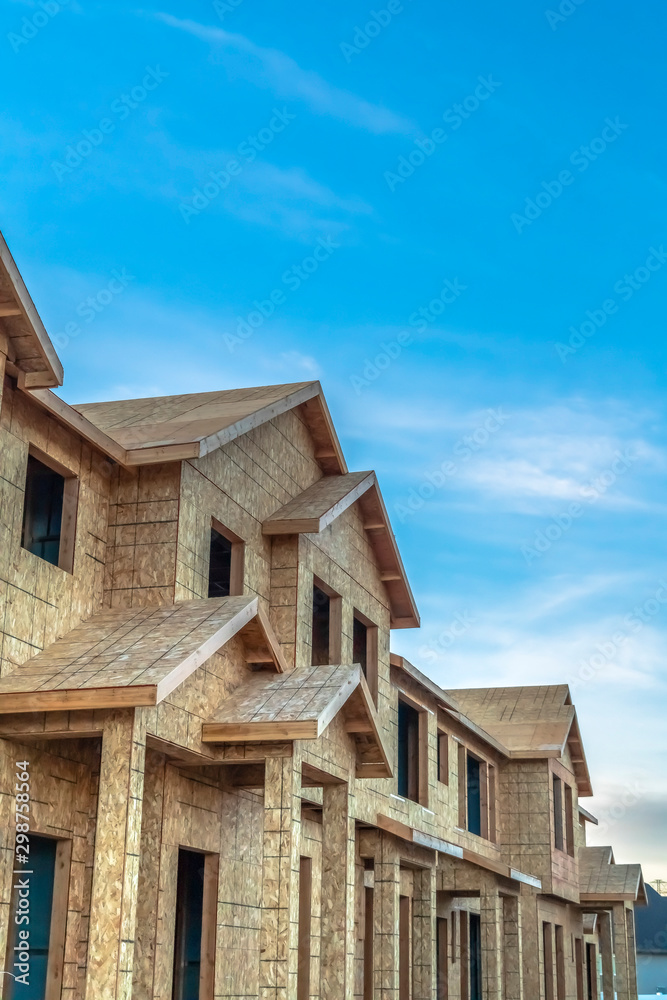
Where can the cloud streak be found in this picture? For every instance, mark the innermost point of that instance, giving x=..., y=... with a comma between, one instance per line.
x=276, y=70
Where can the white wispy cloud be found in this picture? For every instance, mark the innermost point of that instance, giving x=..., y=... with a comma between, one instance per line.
x=275, y=69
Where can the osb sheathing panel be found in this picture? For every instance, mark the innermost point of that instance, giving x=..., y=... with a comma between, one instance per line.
x=117, y=845
x=179, y=717
x=38, y=601
x=143, y=525
x=240, y=485
x=62, y=804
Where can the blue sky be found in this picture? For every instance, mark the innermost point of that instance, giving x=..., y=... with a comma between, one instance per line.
x=454, y=217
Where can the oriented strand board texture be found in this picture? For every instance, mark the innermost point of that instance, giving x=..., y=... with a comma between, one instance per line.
x=38, y=601
x=143, y=524
x=143, y=540
x=157, y=421
x=131, y=647
x=599, y=875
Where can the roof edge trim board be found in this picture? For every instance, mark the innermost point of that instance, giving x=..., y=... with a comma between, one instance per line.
x=206, y=650
x=284, y=525
x=70, y=699
x=588, y=816
x=258, y=417
x=62, y=411
x=242, y=732
x=421, y=839
x=32, y=317
x=163, y=453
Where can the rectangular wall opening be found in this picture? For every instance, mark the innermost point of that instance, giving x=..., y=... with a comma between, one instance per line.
x=569, y=820
x=591, y=972
x=548, y=953
x=442, y=959
x=404, y=947
x=579, y=965
x=365, y=650
x=369, y=940
x=49, y=513
x=225, y=567
x=464, y=936
x=321, y=624
x=305, y=921
x=49, y=888
x=408, y=751
x=474, y=794
x=443, y=758
x=560, y=963
x=475, y=945
x=189, y=925
x=558, y=813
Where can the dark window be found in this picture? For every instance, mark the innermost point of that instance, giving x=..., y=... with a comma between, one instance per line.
x=360, y=645
x=321, y=617
x=189, y=917
x=443, y=758
x=369, y=935
x=475, y=957
x=474, y=796
x=43, y=511
x=558, y=813
x=220, y=565
x=441, y=959
x=42, y=867
x=591, y=972
x=569, y=820
x=408, y=751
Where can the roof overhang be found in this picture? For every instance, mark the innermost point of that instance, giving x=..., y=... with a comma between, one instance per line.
x=156, y=648
x=300, y=705
x=588, y=816
x=321, y=503
x=31, y=357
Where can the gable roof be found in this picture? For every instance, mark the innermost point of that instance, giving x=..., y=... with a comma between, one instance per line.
x=325, y=500
x=601, y=879
x=300, y=705
x=171, y=428
x=136, y=656
x=537, y=721
x=31, y=357
x=319, y=505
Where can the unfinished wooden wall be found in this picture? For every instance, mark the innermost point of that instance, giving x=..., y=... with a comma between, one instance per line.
x=38, y=601
x=63, y=804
